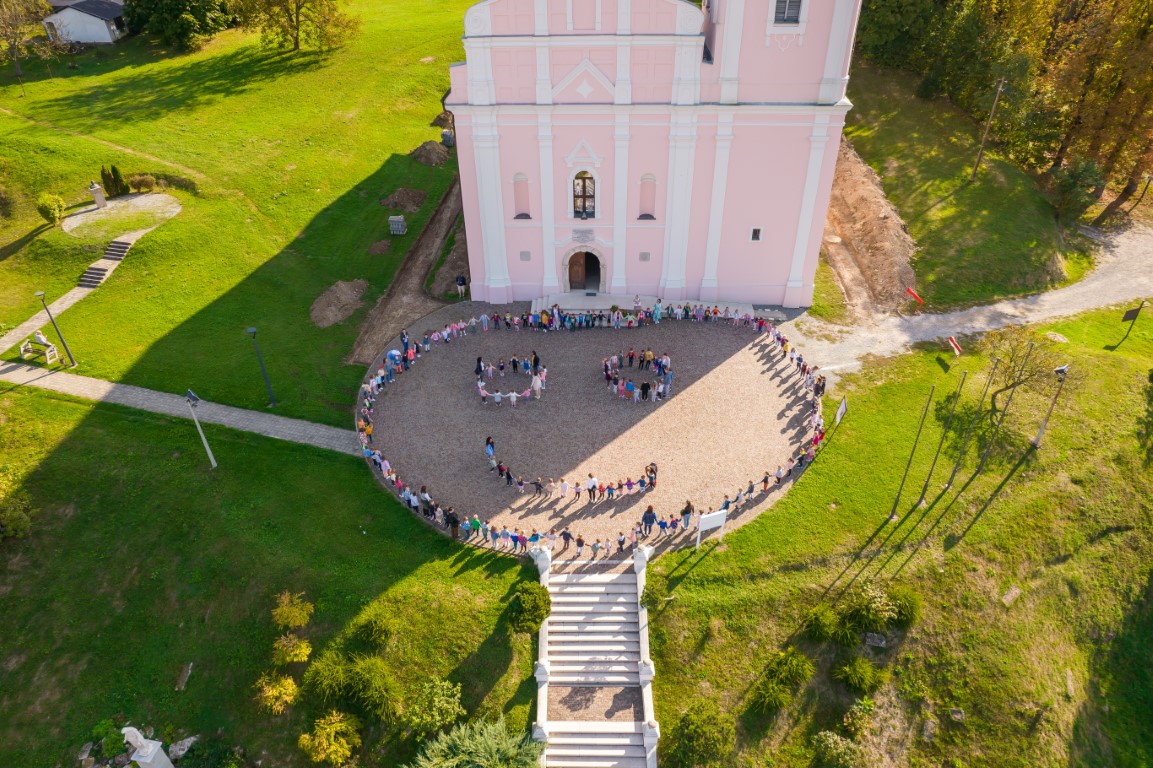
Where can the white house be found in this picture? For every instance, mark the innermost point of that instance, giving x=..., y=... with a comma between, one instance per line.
x=86, y=21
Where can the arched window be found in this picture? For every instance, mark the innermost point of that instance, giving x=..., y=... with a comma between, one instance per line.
x=520, y=196
x=584, y=204
x=648, y=197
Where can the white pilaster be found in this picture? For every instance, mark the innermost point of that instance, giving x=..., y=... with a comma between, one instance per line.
x=682, y=144
x=687, y=70
x=486, y=146
x=724, y=144
x=620, y=200
x=624, y=17
x=623, y=88
x=543, y=75
x=540, y=17
x=733, y=20
x=836, y=74
x=794, y=289
x=547, y=203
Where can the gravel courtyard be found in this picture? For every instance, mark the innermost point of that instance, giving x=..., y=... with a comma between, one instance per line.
x=736, y=412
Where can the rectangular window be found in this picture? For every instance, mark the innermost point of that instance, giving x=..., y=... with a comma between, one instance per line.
x=645, y=255
x=526, y=255
x=756, y=236
x=788, y=12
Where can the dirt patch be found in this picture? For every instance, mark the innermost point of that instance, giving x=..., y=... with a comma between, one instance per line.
x=407, y=200
x=379, y=248
x=430, y=153
x=405, y=300
x=337, y=303
x=456, y=263
x=443, y=120
x=874, y=239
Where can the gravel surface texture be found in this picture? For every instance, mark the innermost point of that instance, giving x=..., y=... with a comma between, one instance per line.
x=736, y=412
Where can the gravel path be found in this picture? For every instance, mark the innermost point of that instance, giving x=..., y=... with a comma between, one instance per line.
x=1124, y=273
x=735, y=412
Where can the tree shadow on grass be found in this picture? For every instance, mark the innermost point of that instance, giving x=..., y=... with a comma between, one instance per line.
x=10, y=249
x=159, y=91
x=1145, y=423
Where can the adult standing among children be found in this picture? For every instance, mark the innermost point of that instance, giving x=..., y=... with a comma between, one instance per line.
x=489, y=447
x=461, y=282
x=404, y=340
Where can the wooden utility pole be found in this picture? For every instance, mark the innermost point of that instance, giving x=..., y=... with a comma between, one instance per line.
x=988, y=125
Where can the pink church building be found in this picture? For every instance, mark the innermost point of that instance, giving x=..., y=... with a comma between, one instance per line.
x=650, y=147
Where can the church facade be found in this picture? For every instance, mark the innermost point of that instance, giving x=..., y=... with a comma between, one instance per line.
x=650, y=146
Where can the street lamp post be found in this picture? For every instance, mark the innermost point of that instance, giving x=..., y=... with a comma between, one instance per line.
x=40, y=295
x=1061, y=372
x=192, y=401
x=271, y=397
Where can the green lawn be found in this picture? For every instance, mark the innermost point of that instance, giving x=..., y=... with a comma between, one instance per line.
x=1071, y=525
x=143, y=560
x=289, y=154
x=828, y=299
x=978, y=242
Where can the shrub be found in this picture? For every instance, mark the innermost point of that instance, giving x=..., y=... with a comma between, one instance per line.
x=292, y=611
x=50, y=207
x=434, y=706
x=142, y=182
x=109, y=737
x=374, y=687
x=907, y=603
x=846, y=632
x=531, y=605
x=118, y=182
x=702, y=736
x=107, y=182
x=791, y=667
x=835, y=751
x=276, y=694
x=821, y=623
x=487, y=743
x=213, y=753
x=859, y=717
x=870, y=608
x=289, y=648
x=860, y=675
x=770, y=695
x=16, y=511
x=329, y=676
x=376, y=624
x=333, y=738
x=655, y=593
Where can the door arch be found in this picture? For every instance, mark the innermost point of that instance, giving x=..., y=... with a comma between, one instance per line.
x=584, y=270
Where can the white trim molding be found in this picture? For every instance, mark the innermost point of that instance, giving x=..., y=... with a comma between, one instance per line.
x=784, y=35
x=724, y=143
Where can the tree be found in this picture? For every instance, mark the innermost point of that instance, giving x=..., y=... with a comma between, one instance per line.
x=185, y=24
x=480, y=744
x=1019, y=366
x=333, y=738
x=19, y=19
x=51, y=207
x=1073, y=185
x=285, y=23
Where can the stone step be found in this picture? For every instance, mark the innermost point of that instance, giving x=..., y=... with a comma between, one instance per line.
x=597, y=739
x=593, y=589
x=594, y=679
x=593, y=617
x=596, y=750
x=612, y=628
x=563, y=597
x=583, y=667
x=592, y=638
x=593, y=578
x=608, y=606
x=590, y=761
x=595, y=726
x=582, y=644
x=595, y=657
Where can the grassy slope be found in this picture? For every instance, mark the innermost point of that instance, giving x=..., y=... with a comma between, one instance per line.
x=1073, y=527
x=828, y=299
x=144, y=560
x=295, y=150
x=978, y=242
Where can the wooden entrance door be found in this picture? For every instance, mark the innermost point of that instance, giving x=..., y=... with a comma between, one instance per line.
x=576, y=272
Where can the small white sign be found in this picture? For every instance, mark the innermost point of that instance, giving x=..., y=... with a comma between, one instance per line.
x=842, y=409
x=710, y=521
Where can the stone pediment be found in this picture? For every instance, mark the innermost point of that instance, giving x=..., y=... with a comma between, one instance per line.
x=584, y=84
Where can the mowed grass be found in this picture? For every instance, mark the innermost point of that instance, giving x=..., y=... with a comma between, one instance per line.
x=289, y=154
x=980, y=241
x=1070, y=524
x=143, y=560
x=829, y=302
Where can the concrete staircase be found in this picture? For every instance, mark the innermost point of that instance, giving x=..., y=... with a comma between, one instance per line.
x=595, y=637
x=99, y=271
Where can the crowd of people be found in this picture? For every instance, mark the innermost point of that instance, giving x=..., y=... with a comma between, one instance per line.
x=655, y=371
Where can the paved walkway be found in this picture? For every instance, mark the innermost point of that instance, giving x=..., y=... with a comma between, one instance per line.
x=270, y=425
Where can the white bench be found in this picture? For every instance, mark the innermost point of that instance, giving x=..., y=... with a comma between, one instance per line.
x=32, y=348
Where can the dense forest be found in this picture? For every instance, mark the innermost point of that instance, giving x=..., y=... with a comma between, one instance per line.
x=1076, y=78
